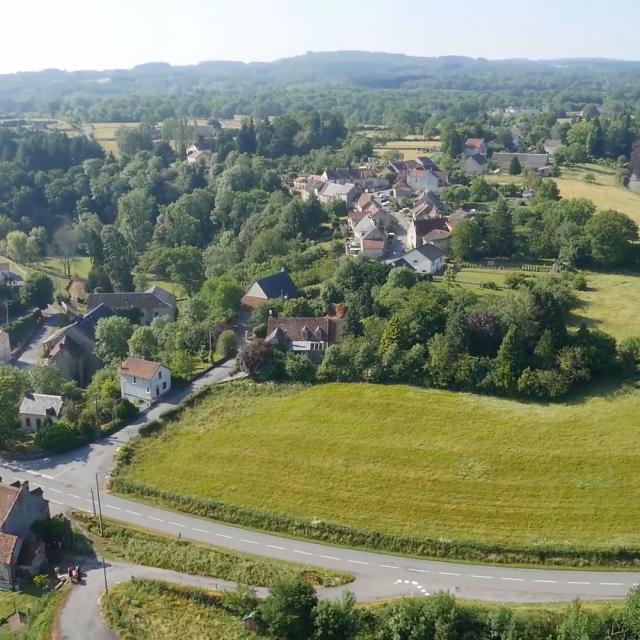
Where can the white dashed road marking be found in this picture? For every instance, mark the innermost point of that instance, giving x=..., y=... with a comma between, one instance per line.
x=133, y=513
x=275, y=546
x=388, y=566
x=611, y=584
x=177, y=524
x=446, y=573
x=481, y=577
x=199, y=530
x=546, y=581
x=357, y=562
x=576, y=582
x=222, y=535
x=248, y=541
x=302, y=553
x=112, y=507
x=154, y=518
x=513, y=579
x=331, y=558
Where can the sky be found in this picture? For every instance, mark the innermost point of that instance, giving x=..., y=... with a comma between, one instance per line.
x=108, y=34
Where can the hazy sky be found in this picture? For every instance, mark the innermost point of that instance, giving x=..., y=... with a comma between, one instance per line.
x=99, y=34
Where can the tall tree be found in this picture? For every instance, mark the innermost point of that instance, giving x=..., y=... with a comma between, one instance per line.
x=500, y=235
x=112, y=339
x=37, y=290
x=119, y=259
x=65, y=240
x=134, y=220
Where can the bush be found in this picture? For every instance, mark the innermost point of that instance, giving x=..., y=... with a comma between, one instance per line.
x=126, y=410
x=41, y=581
x=226, y=345
x=580, y=282
x=299, y=368
x=21, y=329
x=57, y=436
x=590, y=178
x=489, y=284
x=514, y=280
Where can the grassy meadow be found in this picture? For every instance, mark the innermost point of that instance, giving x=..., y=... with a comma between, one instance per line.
x=411, y=461
x=611, y=302
x=410, y=147
x=105, y=134
x=158, y=610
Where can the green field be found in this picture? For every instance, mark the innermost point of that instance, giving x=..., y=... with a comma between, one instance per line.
x=411, y=148
x=404, y=460
x=604, y=193
x=156, y=611
x=611, y=303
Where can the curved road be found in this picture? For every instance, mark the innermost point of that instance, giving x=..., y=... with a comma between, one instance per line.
x=67, y=480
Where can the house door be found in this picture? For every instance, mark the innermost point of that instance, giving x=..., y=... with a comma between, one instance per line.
x=157, y=391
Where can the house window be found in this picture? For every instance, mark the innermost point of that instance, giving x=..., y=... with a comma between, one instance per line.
x=38, y=423
x=148, y=391
x=164, y=386
x=27, y=422
x=135, y=379
x=159, y=375
x=157, y=391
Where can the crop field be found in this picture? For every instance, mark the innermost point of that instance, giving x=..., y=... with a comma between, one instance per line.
x=105, y=134
x=405, y=460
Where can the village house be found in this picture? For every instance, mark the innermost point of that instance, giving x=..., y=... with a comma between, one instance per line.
x=440, y=238
x=308, y=186
x=152, y=303
x=475, y=146
x=370, y=238
x=195, y=155
x=143, y=382
x=310, y=336
x=535, y=161
x=72, y=348
x=401, y=190
x=551, y=146
x=457, y=217
x=277, y=285
x=21, y=553
x=337, y=191
x=429, y=205
x=424, y=180
x=419, y=229
x=8, y=277
x=5, y=347
x=517, y=138
x=475, y=164
x=363, y=178
x=427, y=259
x=38, y=409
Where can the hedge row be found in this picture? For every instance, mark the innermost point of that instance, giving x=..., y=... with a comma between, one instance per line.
x=22, y=328
x=353, y=537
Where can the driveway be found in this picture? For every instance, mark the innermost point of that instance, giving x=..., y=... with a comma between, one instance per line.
x=32, y=352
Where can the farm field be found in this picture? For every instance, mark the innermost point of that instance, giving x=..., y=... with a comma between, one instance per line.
x=611, y=303
x=105, y=134
x=405, y=460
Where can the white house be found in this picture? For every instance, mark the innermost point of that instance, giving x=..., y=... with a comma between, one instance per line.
x=5, y=346
x=427, y=258
x=142, y=381
x=424, y=180
x=38, y=408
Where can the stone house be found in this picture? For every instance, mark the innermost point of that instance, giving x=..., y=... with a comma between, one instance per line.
x=419, y=229
x=475, y=164
x=310, y=336
x=474, y=146
x=38, y=409
x=277, y=285
x=20, y=550
x=427, y=259
x=152, y=303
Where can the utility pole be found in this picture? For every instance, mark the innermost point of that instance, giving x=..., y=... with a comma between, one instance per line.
x=95, y=413
x=104, y=570
x=99, y=506
x=93, y=503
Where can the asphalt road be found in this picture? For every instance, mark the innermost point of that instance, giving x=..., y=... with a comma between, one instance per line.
x=32, y=353
x=67, y=481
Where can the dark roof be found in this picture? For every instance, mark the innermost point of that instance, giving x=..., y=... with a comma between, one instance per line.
x=278, y=285
x=322, y=328
x=433, y=199
x=428, y=163
x=138, y=300
x=429, y=251
x=423, y=227
x=437, y=234
x=479, y=158
x=87, y=324
x=530, y=160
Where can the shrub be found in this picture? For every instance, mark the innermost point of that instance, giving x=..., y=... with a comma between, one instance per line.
x=580, y=282
x=57, y=436
x=226, y=345
x=590, y=178
x=514, y=280
x=489, y=284
x=41, y=581
x=125, y=410
x=299, y=368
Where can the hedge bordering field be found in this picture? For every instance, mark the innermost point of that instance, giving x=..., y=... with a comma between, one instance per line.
x=352, y=537
x=343, y=535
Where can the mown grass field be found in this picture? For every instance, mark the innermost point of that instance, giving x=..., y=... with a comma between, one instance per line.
x=611, y=303
x=156, y=611
x=405, y=460
x=411, y=148
x=604, y=193
x=105, y=134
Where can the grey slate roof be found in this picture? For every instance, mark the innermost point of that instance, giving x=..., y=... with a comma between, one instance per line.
x=154, y=297
x=40, y=404
x=278, y=285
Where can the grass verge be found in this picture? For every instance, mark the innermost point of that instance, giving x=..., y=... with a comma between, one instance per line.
x=157, y=610
x=413, y=471
x=144, y=547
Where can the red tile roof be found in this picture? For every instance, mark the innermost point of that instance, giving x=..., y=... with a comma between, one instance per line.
x=7, y=546
x=144, y=369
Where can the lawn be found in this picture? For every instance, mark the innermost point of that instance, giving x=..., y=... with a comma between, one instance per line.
x=41, y=609
x=611, y=303
x=156, y=611
x=105, y=134
x=53, y=267
x=405, y=460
